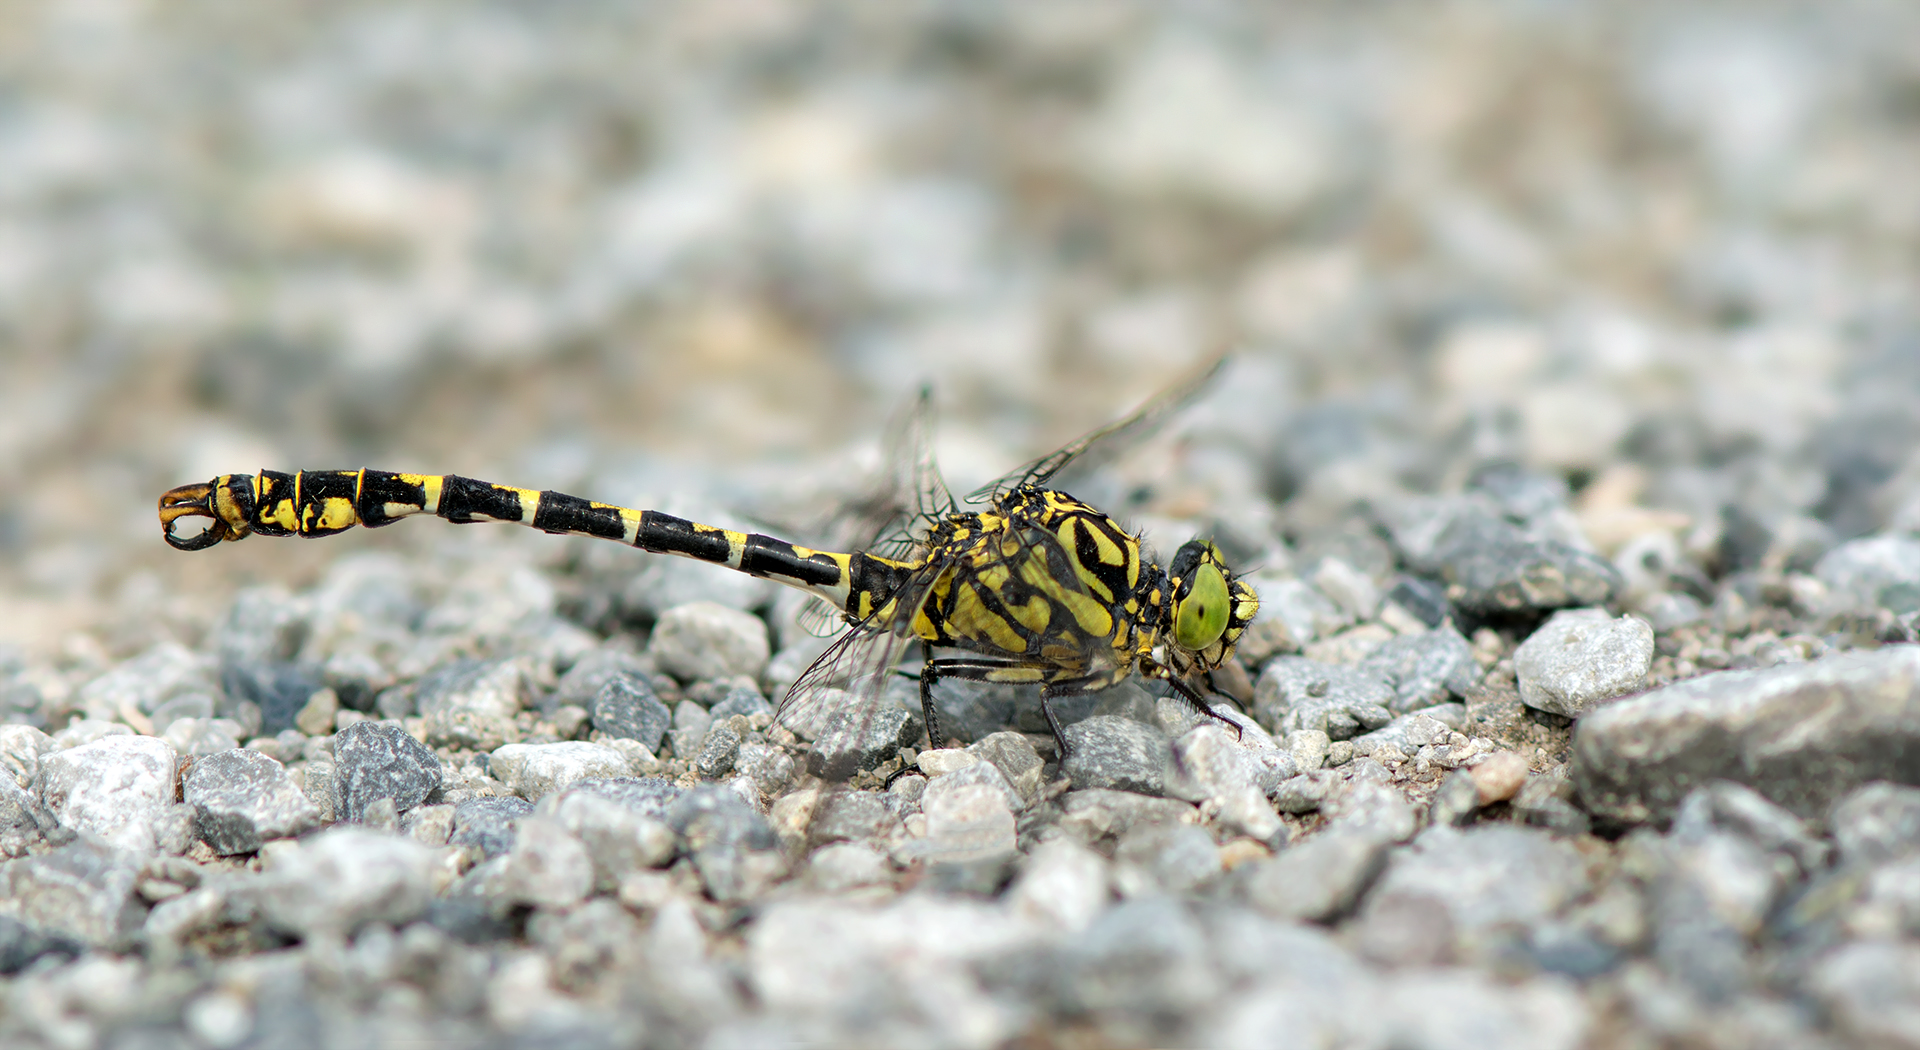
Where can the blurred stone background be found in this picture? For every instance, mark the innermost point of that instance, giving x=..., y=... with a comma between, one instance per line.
x=699, y=251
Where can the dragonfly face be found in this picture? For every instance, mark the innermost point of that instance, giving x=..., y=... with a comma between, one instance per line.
x=1208, y=608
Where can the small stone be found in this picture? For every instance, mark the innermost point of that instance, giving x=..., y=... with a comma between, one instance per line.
x=19, y=828
x=1805, y=734
x=1309, y=749
x=242, y=799
x=742, y=701
x=690, y=724
x=717, y=753
x=856, y=816
x=982, y=773
x=1425, y=669
x=771, y=768
x=1581, y=658
x=547, y=867
x=1207, y=762
x=84, y=891
x=938, y=762
x=626, y=706
x=733, y=847
x=845, y=866
x=531, y=771
x=1424, y=599
x=1306, y=792
x=1339, y=753
x=1295, y=612
x=1245, y=811
x=640, y=761
x=375, y=760
x=316, y=718
x=1374, y=809
x=20, y=751
x=967, y=822
x=1499, y=776
x=1870, y=989
x=117, y=788
x=1547, y=801
x=1880, y=572
x=1297, y=693
x=855, y=739
x=470, y=704
x=1099, y=817
x=344, y=878
x=1492, y=566
x=1877, y=823
x=200, y=737
x=1164, y=858
x=709, y=640
x=430, y=826
x=488, y=824
x=1014, y=755
x=1064, y=885
x=1482, y=880
x=1109, y=751
x=1319, y=880
x=1455, y=800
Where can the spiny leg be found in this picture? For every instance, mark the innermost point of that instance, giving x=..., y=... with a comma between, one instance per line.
x=1192, y=696
x=974, y=670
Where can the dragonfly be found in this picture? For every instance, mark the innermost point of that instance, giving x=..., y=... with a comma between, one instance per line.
x=1023, y=584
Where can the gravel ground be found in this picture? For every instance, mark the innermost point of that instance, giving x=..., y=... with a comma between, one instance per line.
x=1570, y=430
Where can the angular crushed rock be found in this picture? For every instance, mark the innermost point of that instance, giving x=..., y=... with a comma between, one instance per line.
x=117, y=788
x=376, y=760
x=1802, y=734
x=1580, y=658
x=242, y=799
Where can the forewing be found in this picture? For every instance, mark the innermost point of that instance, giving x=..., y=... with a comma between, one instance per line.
x=1106, y=442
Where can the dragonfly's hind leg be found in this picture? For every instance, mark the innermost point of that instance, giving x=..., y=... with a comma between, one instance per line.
x=1192, y=696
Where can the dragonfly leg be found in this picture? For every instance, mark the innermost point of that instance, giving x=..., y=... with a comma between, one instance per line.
x=1192, y=696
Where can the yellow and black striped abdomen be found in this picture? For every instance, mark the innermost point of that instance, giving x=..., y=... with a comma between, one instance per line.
x=323, y=502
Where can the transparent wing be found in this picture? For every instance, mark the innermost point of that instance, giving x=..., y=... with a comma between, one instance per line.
x=921, y=498
x=852, y=674
x=821, y=618
x=1110, y=440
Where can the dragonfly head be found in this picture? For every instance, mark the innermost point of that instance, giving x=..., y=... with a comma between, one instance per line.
x=1209, y=606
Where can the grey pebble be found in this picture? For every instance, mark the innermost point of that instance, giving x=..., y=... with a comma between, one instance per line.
x=618, y=838
x=1425, y=669
x=1581, y=658
x=690, y=724
x=742, y=701
x=488, y=824
x=1492, y=565
x=855, y=816
x=1306, y=792
x=117, y=788
x=1296, y=693
x=534, y=770
x=84, y=890
x=1170, y=858
x=1482, y=880
x=375, y=760
x=22, y=945
x=858, y=738
x=1877, y=572
x=845, y=866
x=1806, y=734
x=733, y=847
x=625, y=706
x=1207, y=762
x=1455, y=801
x=1100, y=816
x=1318, y=880
x=771, y=768
x=1110, y=751
x=970, y=821
x=242, y=799
x=344, y=878
x=704, y=639
x=1014, y=755
x=470, y=704
x=717, y=753
x=548, y=867
x=1063, y=884
x=1876, y=823
x=1869, y=988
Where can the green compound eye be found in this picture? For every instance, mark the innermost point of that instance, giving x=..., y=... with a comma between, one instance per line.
x=1202, y=615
